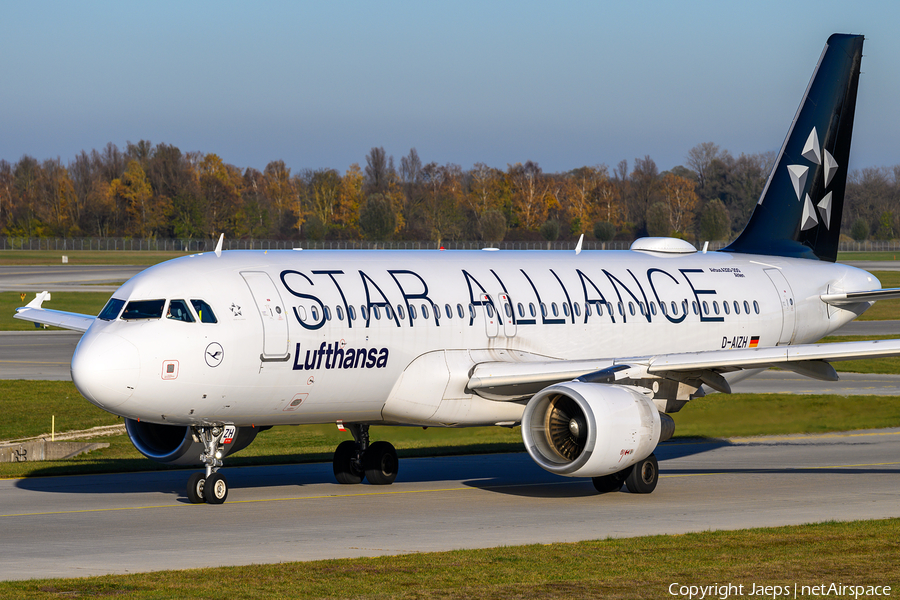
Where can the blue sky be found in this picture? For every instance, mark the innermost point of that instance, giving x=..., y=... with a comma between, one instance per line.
x=318, y=84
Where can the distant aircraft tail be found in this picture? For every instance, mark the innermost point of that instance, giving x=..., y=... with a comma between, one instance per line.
x=799, y=212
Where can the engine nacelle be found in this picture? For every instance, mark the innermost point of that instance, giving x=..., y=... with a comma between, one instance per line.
x=582, y=429
x=175, y=444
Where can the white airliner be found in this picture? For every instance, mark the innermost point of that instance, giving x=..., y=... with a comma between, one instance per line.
x=588, y=351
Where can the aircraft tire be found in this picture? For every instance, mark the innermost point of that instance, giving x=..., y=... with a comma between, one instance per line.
x=345, y=470
x=644, y=476
x=215, y=490
x=196, y=483
x=609, y=483
x=381, y=463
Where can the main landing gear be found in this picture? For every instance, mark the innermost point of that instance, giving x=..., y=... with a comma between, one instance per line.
x=358, y=459
x=640, y=478
x=209, y=486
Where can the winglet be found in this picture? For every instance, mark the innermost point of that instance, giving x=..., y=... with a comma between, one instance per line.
x=219, y=245
x=38, y=300
x=578, y=247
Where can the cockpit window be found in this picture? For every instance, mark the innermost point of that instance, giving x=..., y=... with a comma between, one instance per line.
x=143, y=309
x=204, y=311
x=178, y=311
x=111, y=310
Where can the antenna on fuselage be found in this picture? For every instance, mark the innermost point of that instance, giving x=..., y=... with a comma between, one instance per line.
x=219, y=245
x=578, y=246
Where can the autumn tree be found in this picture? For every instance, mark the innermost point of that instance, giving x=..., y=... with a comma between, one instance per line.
x=530, y=199
x=681, y=200
x=220, y=185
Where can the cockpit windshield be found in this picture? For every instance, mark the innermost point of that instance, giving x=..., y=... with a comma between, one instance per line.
x=204, y=311
x=111, y=310
x=143, y=309
x=178, y=311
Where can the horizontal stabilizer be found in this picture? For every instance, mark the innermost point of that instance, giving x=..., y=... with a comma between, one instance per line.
x=857, y=297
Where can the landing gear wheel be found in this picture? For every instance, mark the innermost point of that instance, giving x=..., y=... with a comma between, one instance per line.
x=346, y=466
x=609, y=483
x=644, y=476
x=195, y=486
x=381, y=463
x=215, y=490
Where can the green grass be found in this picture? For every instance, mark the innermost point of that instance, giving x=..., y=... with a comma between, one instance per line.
x=85, y=257
x=855, y=256
x=86, y=303
x=29, y=406
x=855, y=553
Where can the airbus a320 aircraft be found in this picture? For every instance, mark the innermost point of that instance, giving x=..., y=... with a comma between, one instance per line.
x=588, y=351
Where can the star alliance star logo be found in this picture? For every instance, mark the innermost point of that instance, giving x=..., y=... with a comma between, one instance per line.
x=235, y=309
x=813, y=153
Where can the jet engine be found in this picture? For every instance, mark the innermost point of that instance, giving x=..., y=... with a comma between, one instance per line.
x=176, y=444
x=580, y=429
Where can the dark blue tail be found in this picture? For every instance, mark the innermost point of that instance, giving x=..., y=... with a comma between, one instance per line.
x=799, y=212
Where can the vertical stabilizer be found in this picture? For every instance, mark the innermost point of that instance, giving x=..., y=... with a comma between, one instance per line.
x=799, y=212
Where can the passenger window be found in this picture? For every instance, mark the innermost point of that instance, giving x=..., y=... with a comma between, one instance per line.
x=448, y=311
x=400, y=312
x=363, y=312
x=460, y=312
x=756, y=307
x=566, y=308
x=424, y=311
x=531, y=309
x=674, y=309
x=577, y=308
x=737, y=308
x=327, y=313
x=389, y=312
x=340, y=313
x=599, y=309
x=204, y=311
x=377, y=312
x=696, y=307
x=746, y=307
x=543, y=310
x=621, y=310
x=352, y=312
x=472, y=312
x=662, y=307
x=631, y=308
x=554, y=308
x=587, y=309
x=705, y=308
x=653, y=308
x=725, y=306
x=521, y=310
x=412, y=312
x=111, y=310
x=178, y=311
x=490, y=310
x=315, y=314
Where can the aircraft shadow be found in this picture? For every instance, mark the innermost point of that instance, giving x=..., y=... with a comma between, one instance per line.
x=521, y=475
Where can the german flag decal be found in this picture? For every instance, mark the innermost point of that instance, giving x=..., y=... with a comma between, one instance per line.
x=754, y=341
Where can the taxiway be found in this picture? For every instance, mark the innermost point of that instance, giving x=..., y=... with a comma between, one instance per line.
x=89, y=525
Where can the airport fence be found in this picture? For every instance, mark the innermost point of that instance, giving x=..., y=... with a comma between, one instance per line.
x=205, y=245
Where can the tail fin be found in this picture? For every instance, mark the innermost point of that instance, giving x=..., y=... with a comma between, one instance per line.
x=799, y=212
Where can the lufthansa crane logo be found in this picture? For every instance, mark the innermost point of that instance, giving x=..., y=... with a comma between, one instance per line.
x=819, y=156
x=214, y=354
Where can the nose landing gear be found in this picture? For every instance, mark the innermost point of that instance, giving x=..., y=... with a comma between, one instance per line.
x=209, y=486
x=358, y=460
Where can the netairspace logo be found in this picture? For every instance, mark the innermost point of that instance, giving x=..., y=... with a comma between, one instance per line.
x=776, y=592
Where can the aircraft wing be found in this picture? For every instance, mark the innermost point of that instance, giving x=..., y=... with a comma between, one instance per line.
x=58, y=318
x=500, y=380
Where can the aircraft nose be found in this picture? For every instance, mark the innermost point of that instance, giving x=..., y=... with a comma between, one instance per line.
x=106, y=368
